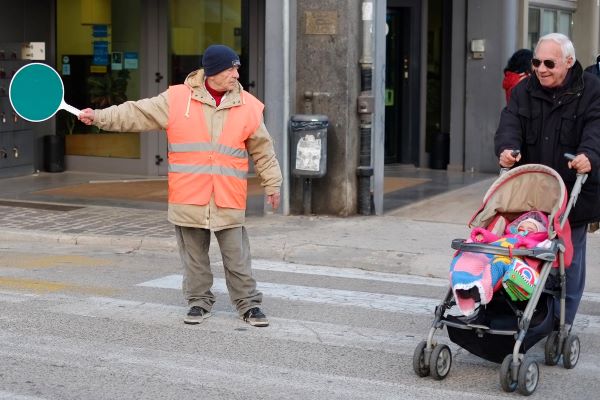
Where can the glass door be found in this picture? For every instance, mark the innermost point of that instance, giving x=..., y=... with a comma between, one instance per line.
x=98, y=45
x=196, y=24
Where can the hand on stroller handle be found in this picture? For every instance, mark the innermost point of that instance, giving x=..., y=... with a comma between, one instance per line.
x=572, y=157
x=515, y=157
x=514, y=154
x=581, y=178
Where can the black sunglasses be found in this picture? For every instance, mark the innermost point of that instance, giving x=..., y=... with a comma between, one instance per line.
x=536, y=62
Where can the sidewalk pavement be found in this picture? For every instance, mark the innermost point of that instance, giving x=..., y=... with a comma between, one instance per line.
x=414, y=239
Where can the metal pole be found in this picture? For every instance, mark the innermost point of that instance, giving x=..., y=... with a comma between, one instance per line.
x=378, y=124
x=307, y=196
x=365, y=110
x=286, y=106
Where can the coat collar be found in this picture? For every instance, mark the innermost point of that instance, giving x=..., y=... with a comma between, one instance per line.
x=195, y=81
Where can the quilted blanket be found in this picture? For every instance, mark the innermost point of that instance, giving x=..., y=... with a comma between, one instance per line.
x=475, y=276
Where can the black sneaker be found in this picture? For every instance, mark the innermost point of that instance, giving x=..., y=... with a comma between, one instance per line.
x=196, y=315
x=255, y=317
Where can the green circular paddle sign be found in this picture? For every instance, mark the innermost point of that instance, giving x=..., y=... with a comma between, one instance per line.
x=36, y=93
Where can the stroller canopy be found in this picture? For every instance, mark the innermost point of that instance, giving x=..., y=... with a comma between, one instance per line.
x=526, y=188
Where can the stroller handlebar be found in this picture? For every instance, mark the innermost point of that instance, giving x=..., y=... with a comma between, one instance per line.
x=581, y=178
x=548, y=254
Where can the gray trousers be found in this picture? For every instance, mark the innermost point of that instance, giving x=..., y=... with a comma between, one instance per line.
x=197, y=275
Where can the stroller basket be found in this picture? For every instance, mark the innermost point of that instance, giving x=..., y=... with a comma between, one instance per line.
x=498, y=339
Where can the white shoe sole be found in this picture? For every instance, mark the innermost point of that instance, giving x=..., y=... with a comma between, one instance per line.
x=259, y=324
x=196, y=320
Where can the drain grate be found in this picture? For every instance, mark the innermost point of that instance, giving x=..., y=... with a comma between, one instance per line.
x=39, y=206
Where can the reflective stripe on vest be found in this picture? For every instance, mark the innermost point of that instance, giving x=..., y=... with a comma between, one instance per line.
x=199, y=168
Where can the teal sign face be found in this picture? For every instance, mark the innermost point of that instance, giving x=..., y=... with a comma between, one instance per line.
x=36, y=93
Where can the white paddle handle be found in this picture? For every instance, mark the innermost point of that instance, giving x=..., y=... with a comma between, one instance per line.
x=70, y=109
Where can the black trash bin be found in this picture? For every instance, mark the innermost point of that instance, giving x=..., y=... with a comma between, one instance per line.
x=54, y=153
x=440, y=151
x=308, y=148
x=309, y=145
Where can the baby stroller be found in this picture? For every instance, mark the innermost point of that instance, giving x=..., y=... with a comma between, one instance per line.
x=503, y=329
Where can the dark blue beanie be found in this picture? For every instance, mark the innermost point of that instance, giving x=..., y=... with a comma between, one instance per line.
x=217, y=58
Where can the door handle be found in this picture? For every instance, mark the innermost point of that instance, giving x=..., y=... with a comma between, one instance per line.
x=158, y=77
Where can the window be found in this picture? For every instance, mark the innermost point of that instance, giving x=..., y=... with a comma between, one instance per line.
x=547, y=20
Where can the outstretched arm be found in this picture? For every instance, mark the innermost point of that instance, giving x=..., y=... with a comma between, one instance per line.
x=132, y=116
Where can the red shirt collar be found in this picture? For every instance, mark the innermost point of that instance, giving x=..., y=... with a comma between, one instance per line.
x=214, y=93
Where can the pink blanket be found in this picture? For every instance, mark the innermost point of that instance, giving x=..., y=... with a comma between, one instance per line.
x=476, y=276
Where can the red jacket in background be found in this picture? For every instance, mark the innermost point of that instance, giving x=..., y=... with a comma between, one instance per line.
x=510, y=81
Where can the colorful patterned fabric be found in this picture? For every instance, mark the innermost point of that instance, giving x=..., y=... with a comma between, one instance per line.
x=475, y=276
x=520, y=280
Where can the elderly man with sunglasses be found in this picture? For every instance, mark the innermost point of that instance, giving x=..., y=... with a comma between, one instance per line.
x=556, y=111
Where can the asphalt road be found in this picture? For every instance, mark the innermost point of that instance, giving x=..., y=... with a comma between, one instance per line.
x=80, y=322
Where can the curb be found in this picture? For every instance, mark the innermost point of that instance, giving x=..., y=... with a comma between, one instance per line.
x=128, y=242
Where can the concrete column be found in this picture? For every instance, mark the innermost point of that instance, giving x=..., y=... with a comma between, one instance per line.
x=280, y=67
x=327, y=54
x=585, y=34
x=484, y=97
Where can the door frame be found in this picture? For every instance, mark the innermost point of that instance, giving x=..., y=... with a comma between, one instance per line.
x=253, y=45
x=155, y=72
x=413, y=96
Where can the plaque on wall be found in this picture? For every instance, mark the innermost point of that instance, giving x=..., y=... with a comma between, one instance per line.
x=321, y=22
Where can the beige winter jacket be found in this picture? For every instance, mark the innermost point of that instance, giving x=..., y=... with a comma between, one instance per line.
x=152, y=114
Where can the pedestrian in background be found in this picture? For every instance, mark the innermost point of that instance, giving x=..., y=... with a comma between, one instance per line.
x=517, y=68
x=212, y=126
x=594, y=68
x=554, y=112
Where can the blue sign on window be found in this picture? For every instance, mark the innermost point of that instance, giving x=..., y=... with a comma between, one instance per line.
x=100, y=31
x=100, y=53
x=130, y=60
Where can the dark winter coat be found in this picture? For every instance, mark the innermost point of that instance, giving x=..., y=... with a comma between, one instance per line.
x=593, y=69
x=546, y=123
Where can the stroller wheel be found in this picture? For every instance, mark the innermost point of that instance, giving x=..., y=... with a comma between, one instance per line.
x=440, y=361
x=421, y=369
x=529, y=376
x=571, y=351
x=506, y=381
x=551, y=349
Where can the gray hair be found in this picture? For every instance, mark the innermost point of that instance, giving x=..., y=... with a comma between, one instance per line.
x=568, y=50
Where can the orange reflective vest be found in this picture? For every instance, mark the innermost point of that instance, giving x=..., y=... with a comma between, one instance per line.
x=199, y=167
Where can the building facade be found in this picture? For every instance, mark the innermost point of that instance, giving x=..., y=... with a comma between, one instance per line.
x=401, y=82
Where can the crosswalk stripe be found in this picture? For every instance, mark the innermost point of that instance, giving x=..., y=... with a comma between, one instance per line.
x=280, y=328
x=378, y=301
x=350, y=273
x=385, y=302
x=354, y=273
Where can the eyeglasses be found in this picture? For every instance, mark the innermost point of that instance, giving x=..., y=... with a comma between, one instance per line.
x=536, y=62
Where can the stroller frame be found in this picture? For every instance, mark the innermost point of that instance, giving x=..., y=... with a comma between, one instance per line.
x=518, y=371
